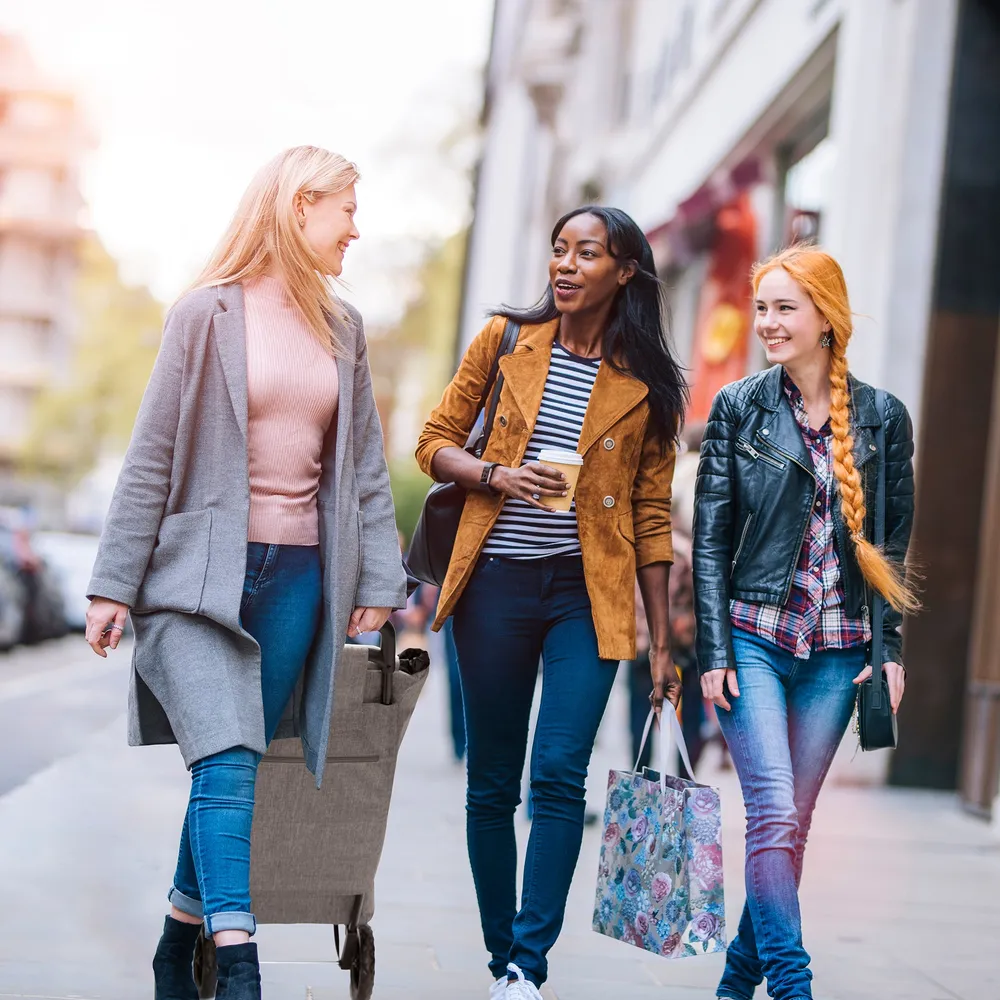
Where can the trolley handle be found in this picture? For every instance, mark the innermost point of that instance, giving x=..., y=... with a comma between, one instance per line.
x=385, y=657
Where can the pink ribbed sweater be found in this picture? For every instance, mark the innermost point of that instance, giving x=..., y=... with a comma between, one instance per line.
x=292, y=391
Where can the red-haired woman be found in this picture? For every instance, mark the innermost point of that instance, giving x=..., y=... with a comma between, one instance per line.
x=784, y=571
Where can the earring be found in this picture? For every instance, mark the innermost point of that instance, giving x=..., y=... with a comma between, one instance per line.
x=826, y=341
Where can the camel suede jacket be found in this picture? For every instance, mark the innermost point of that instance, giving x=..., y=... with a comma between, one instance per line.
x=622, y=497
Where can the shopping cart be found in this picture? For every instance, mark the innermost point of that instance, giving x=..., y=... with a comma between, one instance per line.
x=314, y=853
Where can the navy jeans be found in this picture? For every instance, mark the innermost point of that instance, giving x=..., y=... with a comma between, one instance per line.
x=512, y=612
x=282, y=591
x=782, y=732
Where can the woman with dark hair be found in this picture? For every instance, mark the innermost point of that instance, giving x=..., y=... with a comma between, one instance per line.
x=592, y=373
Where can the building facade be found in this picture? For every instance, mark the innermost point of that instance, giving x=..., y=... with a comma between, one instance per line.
x=42, y=141
x=729, y=128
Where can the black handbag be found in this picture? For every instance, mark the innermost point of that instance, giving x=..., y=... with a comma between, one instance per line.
x=877, y=729
x=434, y=535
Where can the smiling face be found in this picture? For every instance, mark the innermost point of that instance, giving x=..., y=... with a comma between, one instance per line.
x=787, y=322
x=328, y=226
x=582, y=272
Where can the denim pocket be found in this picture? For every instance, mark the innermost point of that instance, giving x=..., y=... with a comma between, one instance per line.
x=487, y=565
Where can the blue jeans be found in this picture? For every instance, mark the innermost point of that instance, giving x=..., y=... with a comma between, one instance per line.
x=782, y=732
x=282, y=592
x=512, y=612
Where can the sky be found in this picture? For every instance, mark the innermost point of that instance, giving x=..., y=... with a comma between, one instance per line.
x=185, y=100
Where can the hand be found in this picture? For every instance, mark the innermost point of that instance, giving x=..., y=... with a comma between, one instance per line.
x=666, y=681
x=714, y=684
x=530, y=481
x=105, y=624
x=367, y=620
x=896, y=675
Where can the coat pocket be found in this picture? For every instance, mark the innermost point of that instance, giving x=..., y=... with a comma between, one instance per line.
x=175, y=576
x=361, y=545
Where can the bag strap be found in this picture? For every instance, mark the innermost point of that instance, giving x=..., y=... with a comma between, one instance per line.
x=878, y=601
x=676, y=732
x=494, y=382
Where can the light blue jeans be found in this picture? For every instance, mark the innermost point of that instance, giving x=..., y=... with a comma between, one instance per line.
x=783, y=732
x=282, y=591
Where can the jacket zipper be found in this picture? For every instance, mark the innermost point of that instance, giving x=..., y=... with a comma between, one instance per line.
x=758, y=456
x=805, y=526
x=802, y=541
x=743, y=538
x=791, y=458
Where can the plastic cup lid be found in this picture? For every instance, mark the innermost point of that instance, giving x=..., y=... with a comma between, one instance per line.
x=560, y=457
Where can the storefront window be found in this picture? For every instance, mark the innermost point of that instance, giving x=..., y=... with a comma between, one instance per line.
x=807, y=193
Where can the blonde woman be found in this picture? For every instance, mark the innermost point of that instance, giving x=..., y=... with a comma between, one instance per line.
x=252, y=527
x=784, y=572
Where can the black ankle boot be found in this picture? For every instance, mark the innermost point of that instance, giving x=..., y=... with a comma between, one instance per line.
x=172, y=973
x=239, y=972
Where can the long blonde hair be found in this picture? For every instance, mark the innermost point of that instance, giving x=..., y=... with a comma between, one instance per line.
x=821, y=277
x=264, y=232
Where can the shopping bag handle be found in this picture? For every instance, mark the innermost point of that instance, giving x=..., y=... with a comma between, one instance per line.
x=671, y=730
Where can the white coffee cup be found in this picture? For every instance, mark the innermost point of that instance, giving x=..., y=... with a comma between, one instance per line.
x=569, y=464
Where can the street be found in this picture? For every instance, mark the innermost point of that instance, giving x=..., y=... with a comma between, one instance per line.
x=899, y=896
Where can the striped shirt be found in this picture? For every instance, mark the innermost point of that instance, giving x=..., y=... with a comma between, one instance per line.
x=525, y=532
x=815, y=616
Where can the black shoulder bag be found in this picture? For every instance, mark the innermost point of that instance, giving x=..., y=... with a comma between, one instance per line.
x=876, y=722
x=434, y=536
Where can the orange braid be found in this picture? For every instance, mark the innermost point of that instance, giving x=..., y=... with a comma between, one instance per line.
x=822, y=279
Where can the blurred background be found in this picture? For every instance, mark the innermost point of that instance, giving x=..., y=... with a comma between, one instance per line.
x=727, y=128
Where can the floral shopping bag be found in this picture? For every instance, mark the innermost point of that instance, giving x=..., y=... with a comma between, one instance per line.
x=659, y=882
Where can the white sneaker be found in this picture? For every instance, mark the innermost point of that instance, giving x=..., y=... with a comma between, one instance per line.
x=498, y=989
x=521, y=988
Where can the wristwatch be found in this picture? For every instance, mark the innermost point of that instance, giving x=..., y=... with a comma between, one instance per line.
x=484, y=478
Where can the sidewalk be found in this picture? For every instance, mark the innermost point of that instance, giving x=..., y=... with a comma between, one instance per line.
x=900, y=896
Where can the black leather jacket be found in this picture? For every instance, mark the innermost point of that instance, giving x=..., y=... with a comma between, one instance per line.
x=754, y=493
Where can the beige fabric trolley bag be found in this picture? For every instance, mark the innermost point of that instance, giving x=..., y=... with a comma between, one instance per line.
x=314, y=853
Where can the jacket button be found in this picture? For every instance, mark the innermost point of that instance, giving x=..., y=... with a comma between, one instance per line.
x=765, y=432
x=872, y=447
x=609, y=444
x=609, y=501
x=503, y=420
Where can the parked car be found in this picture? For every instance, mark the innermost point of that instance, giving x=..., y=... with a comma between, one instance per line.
x=70, y=556
x=37, y=594
x=12, y=601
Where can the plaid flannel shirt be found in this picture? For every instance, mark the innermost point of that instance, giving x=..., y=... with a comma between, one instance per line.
x=814, y=617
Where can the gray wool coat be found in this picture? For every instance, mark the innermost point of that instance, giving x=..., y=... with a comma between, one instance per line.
x=175, y=540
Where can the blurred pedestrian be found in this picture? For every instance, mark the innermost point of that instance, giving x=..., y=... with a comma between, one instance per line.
x=682, y=622
x=456, y=711
x=784, y=570
x=682, y=646
x=251, y=528
x=544, y=563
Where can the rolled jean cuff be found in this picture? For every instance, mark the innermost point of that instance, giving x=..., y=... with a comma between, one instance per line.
x=233, y=921
x=186, y=904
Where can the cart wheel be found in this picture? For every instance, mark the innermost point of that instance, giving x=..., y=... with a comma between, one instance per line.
x=363, y=966
x=206, y=971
